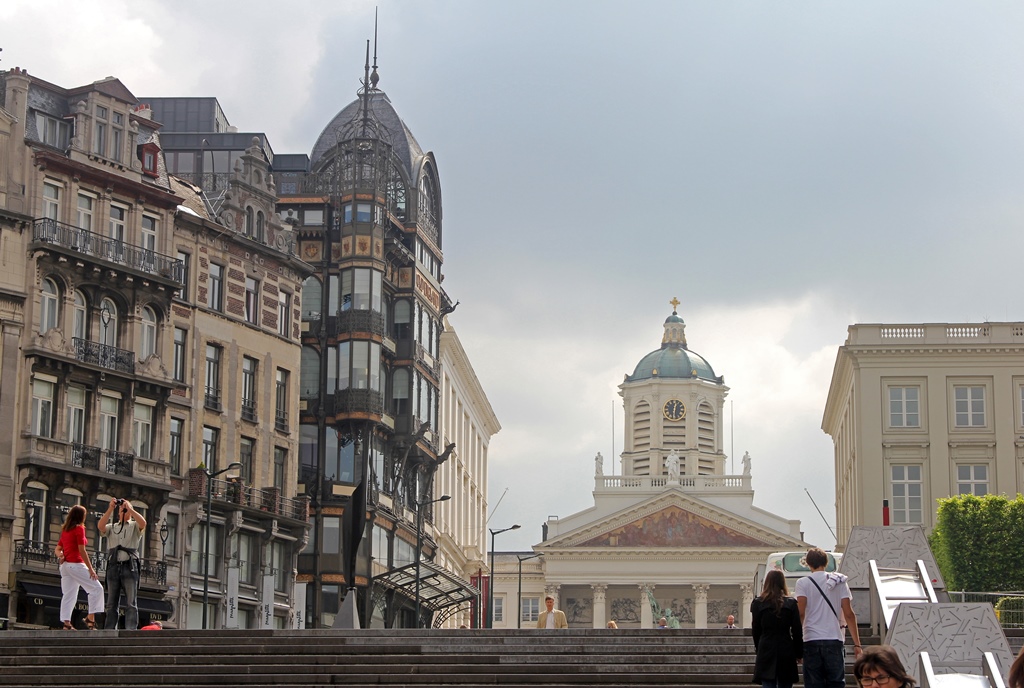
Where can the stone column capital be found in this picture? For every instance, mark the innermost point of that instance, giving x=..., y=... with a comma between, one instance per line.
x=701, y=591
x=599, y=591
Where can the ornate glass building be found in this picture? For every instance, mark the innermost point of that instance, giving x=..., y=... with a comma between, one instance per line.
x=367, y=211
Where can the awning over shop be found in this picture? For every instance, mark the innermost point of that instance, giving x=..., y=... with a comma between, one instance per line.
x=438, y=588
x=53, y=592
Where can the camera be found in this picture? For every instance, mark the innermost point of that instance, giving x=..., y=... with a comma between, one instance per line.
x=118, y=503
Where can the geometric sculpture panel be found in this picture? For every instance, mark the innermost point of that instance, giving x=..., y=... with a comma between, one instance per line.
x=954, y=636
x=895, y=547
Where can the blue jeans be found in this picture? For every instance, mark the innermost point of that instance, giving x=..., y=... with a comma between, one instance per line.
x=776, y=684
x=824, y=664
x=122, y=576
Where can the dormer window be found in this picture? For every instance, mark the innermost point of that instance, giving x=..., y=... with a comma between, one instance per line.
x=148, y=153
x=52, y=131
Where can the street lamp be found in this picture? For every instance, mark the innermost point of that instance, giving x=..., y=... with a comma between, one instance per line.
x=490, y=582
x=419, y=545
x=210, y=475
x=164, y=532
x=519, y=597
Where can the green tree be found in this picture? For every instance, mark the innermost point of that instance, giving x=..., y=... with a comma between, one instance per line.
x=976, y=542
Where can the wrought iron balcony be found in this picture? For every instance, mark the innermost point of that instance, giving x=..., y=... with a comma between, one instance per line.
x=358, y=401
x=104, y=356
x=249, y=410
x=237, y=493
x=39, y=555
x=281, y=421
x=352, y=321
x=86, y=243
x=106, y=460
x=211, y=399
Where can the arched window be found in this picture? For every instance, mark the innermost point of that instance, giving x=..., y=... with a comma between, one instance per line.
x=148, y=343
x=400, y=392
x=108, y=323
x=403, y=320
x=259, y=226
x=248, y=222
x=312, y=298
x=80, y=325
x=49, y=306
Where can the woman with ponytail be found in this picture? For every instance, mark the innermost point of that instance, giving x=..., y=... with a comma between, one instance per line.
x=778, y=634
x=76, y=569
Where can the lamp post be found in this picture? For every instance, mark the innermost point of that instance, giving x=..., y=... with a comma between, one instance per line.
x=210, y=475
x=519, y=597
x=164, y=532
x=490, y=581
x=419, y=545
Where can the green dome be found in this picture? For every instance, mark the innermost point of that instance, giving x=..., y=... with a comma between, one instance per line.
x=673, y=359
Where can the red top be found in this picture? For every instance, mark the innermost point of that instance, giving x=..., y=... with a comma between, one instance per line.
x=70, y=540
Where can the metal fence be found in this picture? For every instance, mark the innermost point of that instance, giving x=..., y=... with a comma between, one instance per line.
x=1009, y=606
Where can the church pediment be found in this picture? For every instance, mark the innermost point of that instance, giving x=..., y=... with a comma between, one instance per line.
x=674, y=520
x=672, y=527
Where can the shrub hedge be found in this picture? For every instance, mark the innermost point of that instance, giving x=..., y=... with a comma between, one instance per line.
x=977, y=542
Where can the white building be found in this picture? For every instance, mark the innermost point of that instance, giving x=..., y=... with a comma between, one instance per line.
x=673, y=535
x=469, y=422
x=920, y=412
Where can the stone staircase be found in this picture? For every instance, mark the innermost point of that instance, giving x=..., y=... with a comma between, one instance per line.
x=396, y=658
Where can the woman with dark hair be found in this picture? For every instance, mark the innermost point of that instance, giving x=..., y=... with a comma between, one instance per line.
x=76, y=569
x=880, y=666
x=1017, y=671
x=778, y=634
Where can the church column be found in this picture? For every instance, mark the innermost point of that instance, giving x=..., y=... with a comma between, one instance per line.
x=700, y=607
x=747, y=594
x=600, y=614
x=646, y=613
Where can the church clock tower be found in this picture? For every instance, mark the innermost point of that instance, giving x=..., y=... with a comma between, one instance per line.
x=673, y=404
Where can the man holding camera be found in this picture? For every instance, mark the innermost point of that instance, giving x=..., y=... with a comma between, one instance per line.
x=124, y=538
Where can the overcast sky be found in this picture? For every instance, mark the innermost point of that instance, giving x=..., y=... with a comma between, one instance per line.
x=785, y=169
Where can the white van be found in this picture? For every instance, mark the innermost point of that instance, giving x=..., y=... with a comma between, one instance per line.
x=793, y=565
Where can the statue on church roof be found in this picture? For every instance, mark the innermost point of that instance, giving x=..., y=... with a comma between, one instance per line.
x=746, y=463
x=598, y=465
x=672, y=467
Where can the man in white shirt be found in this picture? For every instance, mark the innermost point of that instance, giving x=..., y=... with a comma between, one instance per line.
x=552, y=618
x=825, y=610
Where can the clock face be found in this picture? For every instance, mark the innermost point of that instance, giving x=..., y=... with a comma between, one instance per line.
x=674, y=409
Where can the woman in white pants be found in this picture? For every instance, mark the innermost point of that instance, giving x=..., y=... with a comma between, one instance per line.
x=76, y=570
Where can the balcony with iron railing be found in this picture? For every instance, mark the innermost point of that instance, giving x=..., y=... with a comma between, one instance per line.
x=104, y=460
x=249, y=410
x=353, y=321
x=77, y=242
x=211, y=399
x=281, y=421
x=358, y=401
x=104, y=355
x=234, y=492
x=39, y=556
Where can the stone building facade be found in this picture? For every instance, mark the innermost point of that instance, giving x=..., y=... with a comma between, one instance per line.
x=103, y=255
x=918, y=412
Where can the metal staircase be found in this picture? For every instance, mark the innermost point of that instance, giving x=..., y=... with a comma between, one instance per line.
x=989, y=675
x=891, y=587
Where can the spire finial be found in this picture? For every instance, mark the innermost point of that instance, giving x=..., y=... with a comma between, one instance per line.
x=374, y=77
x=675, y=305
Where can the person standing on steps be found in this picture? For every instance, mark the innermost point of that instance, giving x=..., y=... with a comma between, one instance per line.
x=76, y=570
x=730, y=621
x=777, y=634
x=826, y=612
x=552, y=618
x=124, y=537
